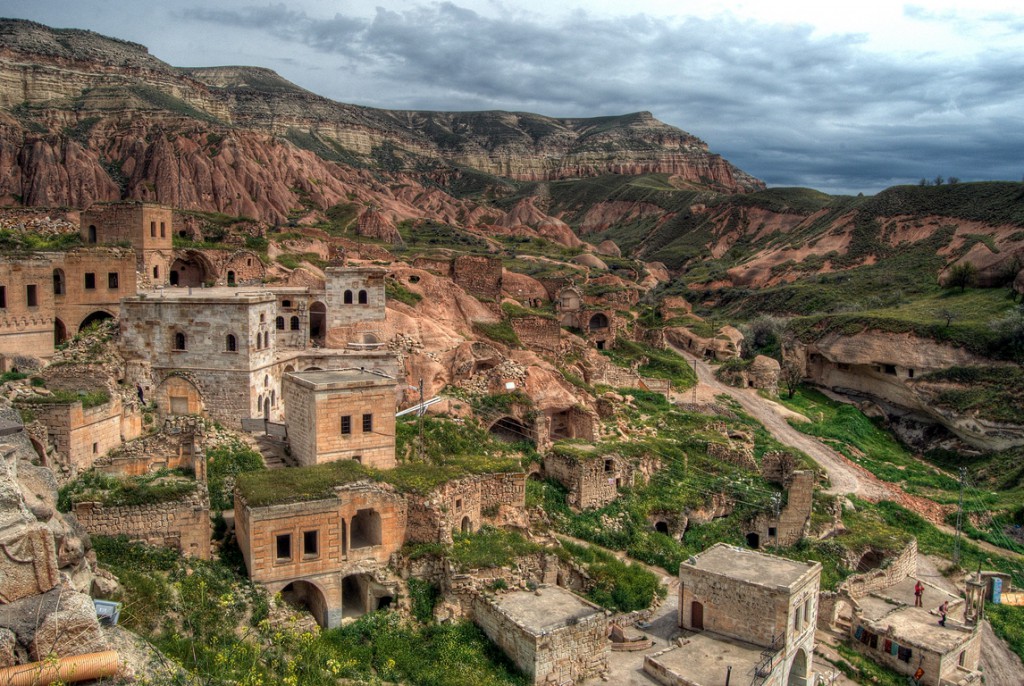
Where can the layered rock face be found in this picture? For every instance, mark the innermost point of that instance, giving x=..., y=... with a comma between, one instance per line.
x=87, y=118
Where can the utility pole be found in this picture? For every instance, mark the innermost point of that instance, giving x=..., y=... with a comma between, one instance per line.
x=695, y=381
x=959, y=517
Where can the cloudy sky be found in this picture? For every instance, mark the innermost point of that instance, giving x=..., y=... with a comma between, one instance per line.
x=843, y=97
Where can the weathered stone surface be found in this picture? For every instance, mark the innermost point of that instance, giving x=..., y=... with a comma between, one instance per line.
x=8, y=643
x=608, y=247
x=70, y=629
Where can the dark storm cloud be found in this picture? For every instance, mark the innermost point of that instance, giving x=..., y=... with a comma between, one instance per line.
x=782, y=103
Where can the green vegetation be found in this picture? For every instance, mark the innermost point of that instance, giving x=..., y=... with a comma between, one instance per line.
x=489, y=547
x=324, y=147
x=617, y=585
x=500, y=332
x=223, y=464
x=395, y=290
x=994, y=393
x=654, y=362
x=1008, y=623
x=13, y=375
x=18, y=242
x=89, y=399
x=515, y=311
x=112, y=491
x=863, y=669
x=214, y=624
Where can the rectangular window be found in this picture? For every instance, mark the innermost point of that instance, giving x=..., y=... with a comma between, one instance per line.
x=152, y=229
x=90, y=281
x=112, y=280
x=3, y=296
x=31, y=299
x=367, y=423
x=310, y=544
x=163, y=230
x=284, y=546
x=346, y=425
x=609, y=465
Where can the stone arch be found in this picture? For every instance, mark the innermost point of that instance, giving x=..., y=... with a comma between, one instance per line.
x=191, y=268
x=93, y=317
x=363, y=297
x=872, y=559
x=279, y=323
x=511, y=430
x=799, y=674
x=370, y=339
x=307, y=595
x=661, y=526
x=318, y=322
x=347, y=297
x=289, y=368
x=467, y=525
x=312, y=369
x=293, y=323
x=598, y=321
x=753, y=540
x=178, y=395
x=59, y=282
x=60, y=331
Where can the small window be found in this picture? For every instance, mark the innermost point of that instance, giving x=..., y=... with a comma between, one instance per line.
x=179, y=341
x=92, y=233
x=248, y=262
x=310, y=544
x=279, y=323
x=112, y=280
x=95, y=448
x=31, y=297
x=890, y=369
x=284, y=546
x=90, y=281
x=910, y=373
x=348, y=297
x=286, y=303
x=156, y=272
x=609, y=465
x=295, y=324
x=231, y=344
x=152, y=229
x=600, y=345
x=346, y=425
x=772, y=531
x=263, y=317
x=3, y=296
x=367, y=423
x=58, y=282
x=363, y=298
x=458, y=504
x=163, y=230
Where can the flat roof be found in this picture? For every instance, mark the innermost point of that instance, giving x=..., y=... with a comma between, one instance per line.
x=340, y=379
x=216, y=294
x=550, y=607
x=704, y=658
x=915, y=625
x=751, y=566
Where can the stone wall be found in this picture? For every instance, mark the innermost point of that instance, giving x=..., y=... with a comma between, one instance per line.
x=537, y=332
x=478, y=275
x=183, y=525
x=595, y=481
x=346, y=287
x=464, y=504
x=733, y=452
x=570, y=653
x=80, y=435
x=896, y=570
x=794, y=518
x=175, y=447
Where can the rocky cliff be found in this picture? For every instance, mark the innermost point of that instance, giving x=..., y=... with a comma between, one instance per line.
x=85, y=118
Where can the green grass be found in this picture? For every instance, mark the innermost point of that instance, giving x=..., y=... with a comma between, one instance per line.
x=501, y=332
x=489, y=547
x=224, y=464
x=1008, y=623
x=847, y=430
x=394, y=290
x=994, y=393
x=114, y=491
x=15, y=242
x=617, y=585
x=656, y=362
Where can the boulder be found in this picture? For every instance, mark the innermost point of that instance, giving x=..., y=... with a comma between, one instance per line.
x=608, y=247
x=591, y=261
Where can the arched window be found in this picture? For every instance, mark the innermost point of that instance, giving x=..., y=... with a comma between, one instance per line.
x=266, y=339
x=179, y=341
x=295, y=323
x=259, y=404
x=348, y=297
x=231, y=344
x=363, y=298
x=156, y=272
x=58, y=282
x=266, y=381
x=279, y=322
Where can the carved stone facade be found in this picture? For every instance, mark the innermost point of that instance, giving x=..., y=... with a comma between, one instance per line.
x=347, y=414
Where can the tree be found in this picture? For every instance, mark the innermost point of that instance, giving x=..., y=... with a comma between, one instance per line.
x=953, y=180
x=922, y=182
x=939, y=180
x=1009, y=331
x=791, y=376
x=962, y=275
x=949, y=315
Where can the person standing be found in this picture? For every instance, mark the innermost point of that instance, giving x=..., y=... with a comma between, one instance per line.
x=918, y=594
x=943, y=611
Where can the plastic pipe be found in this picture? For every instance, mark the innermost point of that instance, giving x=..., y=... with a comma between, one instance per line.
x=67, y=669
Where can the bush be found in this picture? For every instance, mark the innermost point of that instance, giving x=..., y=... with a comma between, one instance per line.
x=223, y=464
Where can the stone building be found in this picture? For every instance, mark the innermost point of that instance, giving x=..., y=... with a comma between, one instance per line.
x=325, y=552
x=793, y=519
x=348, y=414
x=46, y=298
x=463, y=504
x=552, y=635
x=208, y=351
x=354, y=295
x=594, y=480
x=599, y=325
x=147, y=227
x=479, y=275
x=758, y=611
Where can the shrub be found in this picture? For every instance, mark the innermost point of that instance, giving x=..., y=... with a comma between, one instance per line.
x=224, y=463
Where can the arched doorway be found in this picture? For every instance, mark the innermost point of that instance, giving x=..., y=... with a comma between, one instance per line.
x=753, y=540
x=307, y=596
x=92, y=233
x=60, y=332
x=190, y=269
x=798, y=672
x=872, y=559
x=97, y=316
x=353, y=596
x=510, y=430
x=661, y=526
x=697, y=616
x=317, y=322
x=598, y=321
x=177, y=395
x=467, y=525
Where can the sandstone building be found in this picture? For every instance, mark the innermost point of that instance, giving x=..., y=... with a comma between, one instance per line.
x=758, y=611
x=347, y=414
